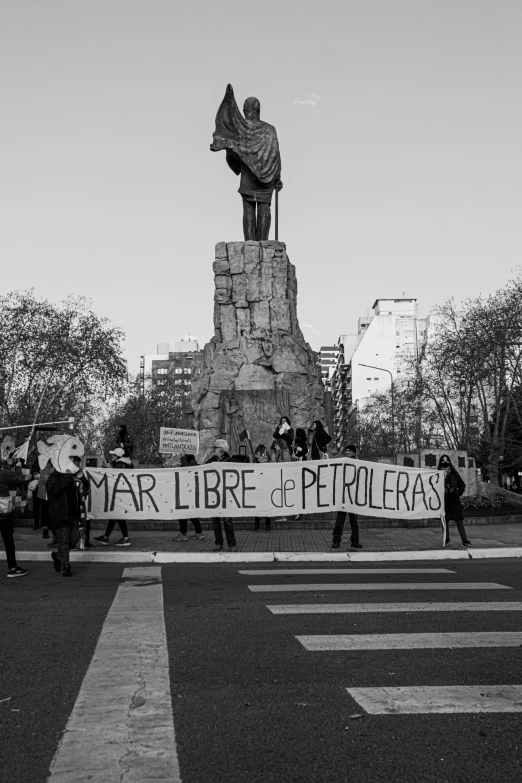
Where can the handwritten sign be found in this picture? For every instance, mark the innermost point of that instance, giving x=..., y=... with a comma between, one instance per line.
x=230, y=489
x=178, y=441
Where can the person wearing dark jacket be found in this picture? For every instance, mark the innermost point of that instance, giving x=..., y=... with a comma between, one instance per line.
x=350, y=452
x=119, y=461
x=300, y=445
x=221, y=455
x=261, y=457
x=320, y=439
x=188, y=461
x=454, y=487
x=284, y=437
x=64, y=515
x=11, y=479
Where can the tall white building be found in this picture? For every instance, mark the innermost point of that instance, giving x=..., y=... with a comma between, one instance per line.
x=368, y=359
x=328, y=362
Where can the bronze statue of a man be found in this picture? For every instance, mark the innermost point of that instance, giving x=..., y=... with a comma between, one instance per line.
x=253, y=152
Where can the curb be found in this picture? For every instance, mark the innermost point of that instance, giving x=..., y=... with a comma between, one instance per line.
x=165, y=558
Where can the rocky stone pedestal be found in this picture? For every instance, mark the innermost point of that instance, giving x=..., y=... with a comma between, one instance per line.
x=258, y=366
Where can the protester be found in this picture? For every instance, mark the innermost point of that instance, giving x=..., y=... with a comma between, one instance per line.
x=320, y=440
x=300, y=445
x=119, y=461
x=43, y=502
x=83, y=488
x=350, y=452
x=276, y=454
x=33, y=488
x=454, y=487
x=284, y=437
x=261, y=456
x=123, y=441
x=188, y=461
x=11, y=479
x=64, y=515
x=221, y=455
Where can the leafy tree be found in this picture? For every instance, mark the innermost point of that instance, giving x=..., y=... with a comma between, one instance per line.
x=56, y=361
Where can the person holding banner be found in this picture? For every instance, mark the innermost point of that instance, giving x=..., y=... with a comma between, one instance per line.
x=188, y=461
x=350, y=452
x=119, y=462
x=221, y=455
x=454, y=487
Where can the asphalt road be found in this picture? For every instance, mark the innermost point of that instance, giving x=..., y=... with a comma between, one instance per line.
x=250, y=703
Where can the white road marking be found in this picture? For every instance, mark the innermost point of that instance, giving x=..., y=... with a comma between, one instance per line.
x=121, y=727
x=410, y=641
x=347, y=571
x=457, y=606
x=438, y=699
x=310, y=588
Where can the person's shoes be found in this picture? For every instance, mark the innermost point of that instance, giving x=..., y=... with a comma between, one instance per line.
x=13, y=572
x=56, y=563
x=280, y=519
x=232, y=548
x=89, y=545
x=45, y=533
x=66, y=570
x=467, y=544
x=218, y=548
x=199, y=536
x=336, y=545
x=356, y=545
x=446, y=544
x=180, y=538
x=123, y=542
x=102, y=540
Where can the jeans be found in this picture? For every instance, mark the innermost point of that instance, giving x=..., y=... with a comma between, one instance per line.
x=63, y=537
x=339, y=527
x=183, y=526
x=7, y=533
x=112, y=524
x=460, y=528
x=258, y=520
x=229, y=531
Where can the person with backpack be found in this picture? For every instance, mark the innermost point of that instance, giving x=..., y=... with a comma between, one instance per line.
x=454, y=487
x=64, y=506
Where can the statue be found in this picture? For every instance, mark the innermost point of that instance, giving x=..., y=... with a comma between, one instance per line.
x=253, y=152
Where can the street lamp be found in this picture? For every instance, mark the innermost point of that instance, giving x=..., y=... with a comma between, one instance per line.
x=383, y=369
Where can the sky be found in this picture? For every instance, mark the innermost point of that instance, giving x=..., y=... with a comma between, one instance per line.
x=399, y=129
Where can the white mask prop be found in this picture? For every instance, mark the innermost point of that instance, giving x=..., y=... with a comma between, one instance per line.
x=60, y=450
x=7, y=448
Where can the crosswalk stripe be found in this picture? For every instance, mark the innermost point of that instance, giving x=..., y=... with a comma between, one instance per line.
x=310, y=588
x=347, y=571
x=121, y=726
x=439, y=699
x=456, y=606
x=409, y=641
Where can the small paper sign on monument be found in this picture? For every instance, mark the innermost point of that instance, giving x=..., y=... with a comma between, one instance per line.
x=178, y=441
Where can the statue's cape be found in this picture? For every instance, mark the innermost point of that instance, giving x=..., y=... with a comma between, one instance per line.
x=254, y=142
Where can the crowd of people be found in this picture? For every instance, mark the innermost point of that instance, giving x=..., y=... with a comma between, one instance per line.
x=59, y=495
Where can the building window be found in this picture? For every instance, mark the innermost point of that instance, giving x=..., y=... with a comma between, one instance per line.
x=161, y=371
x=178, y=370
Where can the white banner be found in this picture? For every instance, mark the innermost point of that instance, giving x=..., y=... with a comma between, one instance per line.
x=231, y=489
x=178, y=441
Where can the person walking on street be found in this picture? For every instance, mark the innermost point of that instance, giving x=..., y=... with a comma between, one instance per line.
x=119, y=461
x=188, y=461
x=320, y=440
x=350, y=452
x=64, y=515
x=11, y=479
x=43, y=501
x=454, y=487
x=221, y=455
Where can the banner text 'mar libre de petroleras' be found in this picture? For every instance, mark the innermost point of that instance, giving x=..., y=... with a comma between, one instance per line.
x=229, y=489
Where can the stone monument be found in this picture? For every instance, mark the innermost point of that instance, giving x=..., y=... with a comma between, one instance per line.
x=258, y=366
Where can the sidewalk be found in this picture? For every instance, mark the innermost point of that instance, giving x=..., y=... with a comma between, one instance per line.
x=504, y=540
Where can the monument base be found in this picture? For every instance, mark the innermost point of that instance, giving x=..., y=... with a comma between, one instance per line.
x=258, y=366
